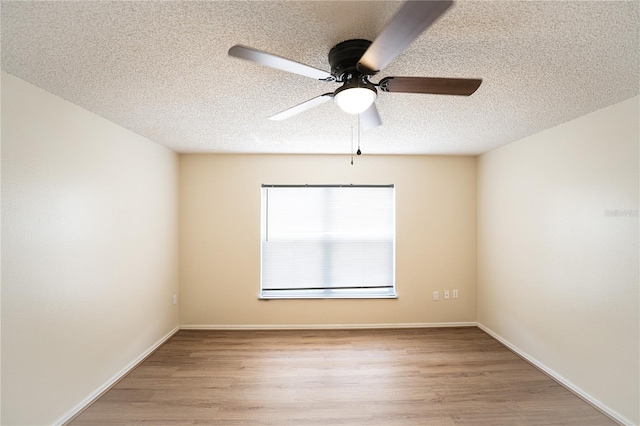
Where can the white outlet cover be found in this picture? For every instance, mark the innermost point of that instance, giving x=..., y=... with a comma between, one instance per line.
x=436, y=295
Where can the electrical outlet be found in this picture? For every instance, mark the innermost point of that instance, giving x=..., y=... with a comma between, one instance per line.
x=175, y=299
x=446, y=294
x=436, y=295
x=455, y=293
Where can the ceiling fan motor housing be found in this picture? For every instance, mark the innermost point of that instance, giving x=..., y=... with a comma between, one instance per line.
x=344, y=57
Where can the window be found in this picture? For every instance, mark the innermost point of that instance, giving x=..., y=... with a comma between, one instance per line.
x=328, y=241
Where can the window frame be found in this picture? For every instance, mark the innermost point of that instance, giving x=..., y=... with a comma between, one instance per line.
x=365, y=292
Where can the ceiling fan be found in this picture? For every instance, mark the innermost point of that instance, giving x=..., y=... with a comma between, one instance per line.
x=353, y=62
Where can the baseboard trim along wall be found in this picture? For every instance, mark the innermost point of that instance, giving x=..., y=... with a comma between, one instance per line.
x=114, y=380
x=324, y=326
x=558, y=378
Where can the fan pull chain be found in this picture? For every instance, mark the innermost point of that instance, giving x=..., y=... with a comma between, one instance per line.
x=358, y=152
x=352, y=144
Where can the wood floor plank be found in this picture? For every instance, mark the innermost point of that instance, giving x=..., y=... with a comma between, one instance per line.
x=453, y=376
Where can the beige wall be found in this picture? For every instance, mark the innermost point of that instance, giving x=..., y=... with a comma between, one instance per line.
x=557, y=272
x=89, y=252
x=220, y=239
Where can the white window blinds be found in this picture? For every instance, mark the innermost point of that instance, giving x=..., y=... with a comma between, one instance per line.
x=328, y=241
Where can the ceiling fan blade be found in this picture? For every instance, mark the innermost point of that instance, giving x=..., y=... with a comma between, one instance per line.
x=406, y=25
x=430, y=85
x=301, y=107
x=274, y=61
x=370, y=118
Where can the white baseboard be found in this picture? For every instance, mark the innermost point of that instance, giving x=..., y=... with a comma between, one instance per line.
x=324, y=326
x=115, y=379
x=558, y=378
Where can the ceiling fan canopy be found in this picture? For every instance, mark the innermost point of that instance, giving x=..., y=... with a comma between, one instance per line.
x=353, y=62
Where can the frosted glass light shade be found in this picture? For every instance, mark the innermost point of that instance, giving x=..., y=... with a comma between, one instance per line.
x=355, y=100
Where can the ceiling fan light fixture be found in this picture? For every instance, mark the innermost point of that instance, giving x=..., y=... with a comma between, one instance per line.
x=354, y=99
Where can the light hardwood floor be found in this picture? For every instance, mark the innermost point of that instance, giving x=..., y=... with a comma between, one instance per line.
x=448, y=376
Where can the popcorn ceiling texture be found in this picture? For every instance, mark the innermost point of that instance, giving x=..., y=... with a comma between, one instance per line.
x=161, y=70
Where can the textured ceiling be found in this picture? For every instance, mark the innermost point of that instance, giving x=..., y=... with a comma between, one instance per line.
x=161, y=69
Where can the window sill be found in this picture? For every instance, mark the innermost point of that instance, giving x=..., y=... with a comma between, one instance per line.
x=325, y=295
